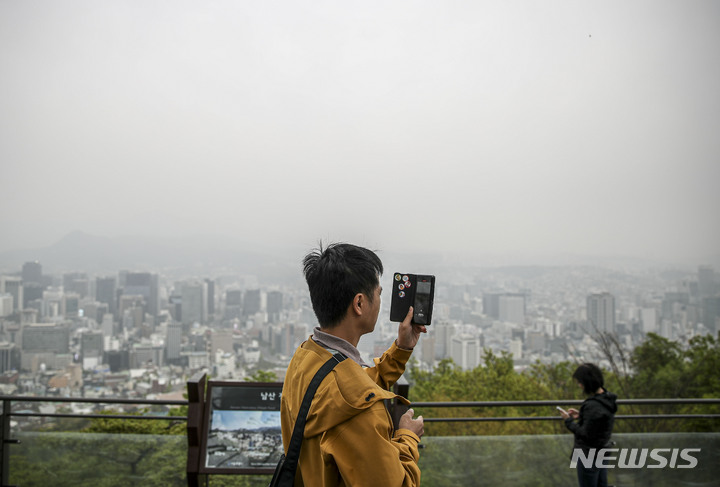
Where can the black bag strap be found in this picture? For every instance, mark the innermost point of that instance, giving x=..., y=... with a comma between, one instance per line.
x=293, y=453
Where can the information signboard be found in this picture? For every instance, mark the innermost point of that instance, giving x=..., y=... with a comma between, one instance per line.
x=241, y=427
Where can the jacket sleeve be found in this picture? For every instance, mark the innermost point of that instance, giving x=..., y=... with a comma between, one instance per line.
x=366, y=457
x=591, y=426
x=389, y=367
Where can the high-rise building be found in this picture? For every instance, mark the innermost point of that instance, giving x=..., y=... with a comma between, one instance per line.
x=671, y=301
x=122, y=278
x=252, y=302
x=144, y=354
x=274, y=306
x=91, y=349
x=665, y=329
x=105, y=288
x=94, y=310
x=210, y=296
x=14, y=286
x=146, y=285
x=601, y=312
x=32, y=292
x=233, y=304
x=53, y=303
x=118, y=360
x=129, y=301
x=221, y=340
x=173, y=341
x=32, y=272
x=76, y=282
x=72, y=305
x=706, y=281
x=443, y=332
x=648, y=317
x=283, y=337
x=516, y=349
x=6, y=304
x=511, y=308
x=194, y=302
x=29, y=316
x=536, y=341
x=278, y=337
x=133, y=317
x=233, y=297
x=491, y=304
x=9, y=357
x=508, y=307
x=107, y=325
x=711, y=314
x=427, y=349
x=465, y=351
x=41, y=337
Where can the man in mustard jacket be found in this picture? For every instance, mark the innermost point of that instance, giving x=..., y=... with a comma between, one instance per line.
x=349, y=438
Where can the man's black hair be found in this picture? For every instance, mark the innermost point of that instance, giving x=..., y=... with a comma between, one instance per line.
x=335, y=275
x=590, y=376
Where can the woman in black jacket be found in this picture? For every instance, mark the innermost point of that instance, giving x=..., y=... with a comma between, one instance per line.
x=593, y=424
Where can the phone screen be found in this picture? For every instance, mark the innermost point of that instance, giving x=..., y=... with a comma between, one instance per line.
x=422, y=302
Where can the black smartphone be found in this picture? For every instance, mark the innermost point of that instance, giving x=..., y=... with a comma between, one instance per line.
x=416, y=290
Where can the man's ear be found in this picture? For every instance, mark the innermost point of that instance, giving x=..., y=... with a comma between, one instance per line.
x=359, y=303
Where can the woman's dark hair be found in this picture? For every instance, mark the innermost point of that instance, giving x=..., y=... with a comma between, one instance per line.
x=335, y=275
x=590, y=376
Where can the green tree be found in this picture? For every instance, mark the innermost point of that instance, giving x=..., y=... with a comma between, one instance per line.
x=658, y=368
x=495, y=380
x=664, y=369
x=262, y=376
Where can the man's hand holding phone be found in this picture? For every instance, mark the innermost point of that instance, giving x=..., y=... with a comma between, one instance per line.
x=409, y=333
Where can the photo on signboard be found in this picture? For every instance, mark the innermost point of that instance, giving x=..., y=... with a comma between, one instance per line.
x=243, y=427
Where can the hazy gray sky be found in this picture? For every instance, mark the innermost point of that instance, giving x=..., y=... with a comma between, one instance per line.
x=525, y=127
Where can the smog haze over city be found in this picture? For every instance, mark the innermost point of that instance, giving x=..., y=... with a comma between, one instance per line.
x=494, y=132
x=165, y=166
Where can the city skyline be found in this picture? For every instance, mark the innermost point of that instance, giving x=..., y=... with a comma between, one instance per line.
x=534, y=313
x=199, y=255
x=460, y=129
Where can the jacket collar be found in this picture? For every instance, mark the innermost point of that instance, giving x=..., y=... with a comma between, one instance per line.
x=331, y=342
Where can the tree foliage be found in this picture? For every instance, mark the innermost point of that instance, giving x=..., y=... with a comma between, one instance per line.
x=658, y=368
x=262, y=376
x=495, y=380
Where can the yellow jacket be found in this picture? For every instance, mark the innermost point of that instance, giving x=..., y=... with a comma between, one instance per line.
x=348, y=438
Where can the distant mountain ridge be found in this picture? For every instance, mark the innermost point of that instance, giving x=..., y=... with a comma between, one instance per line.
x=80, y=251
x=273, y=262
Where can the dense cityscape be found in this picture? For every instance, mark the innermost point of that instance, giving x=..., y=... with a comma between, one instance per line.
x=166, y=167
x=142, y=334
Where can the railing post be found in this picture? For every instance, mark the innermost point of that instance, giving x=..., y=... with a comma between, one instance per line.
x=4, y=433
x=196, y=410
x=5, y=442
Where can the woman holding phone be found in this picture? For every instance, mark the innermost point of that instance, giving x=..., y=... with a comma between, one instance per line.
x=593, y=424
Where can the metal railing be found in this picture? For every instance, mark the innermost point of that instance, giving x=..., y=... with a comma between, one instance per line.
x=620, y=402
x=8, y=401
x=7, y=414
